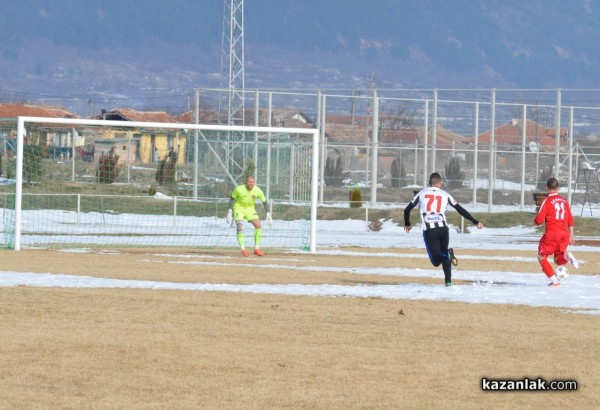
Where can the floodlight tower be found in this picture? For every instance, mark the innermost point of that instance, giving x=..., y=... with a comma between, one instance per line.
x=231, y=103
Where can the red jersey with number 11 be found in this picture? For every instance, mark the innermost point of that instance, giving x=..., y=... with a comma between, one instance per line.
x=556, y=213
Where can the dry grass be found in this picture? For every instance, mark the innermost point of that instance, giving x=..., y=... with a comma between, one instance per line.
x=133, y=348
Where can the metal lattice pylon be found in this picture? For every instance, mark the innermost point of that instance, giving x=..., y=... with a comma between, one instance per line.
x=231, y=103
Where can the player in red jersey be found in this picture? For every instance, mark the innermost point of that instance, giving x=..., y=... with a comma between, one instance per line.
x=433, y=202
x=555, y=212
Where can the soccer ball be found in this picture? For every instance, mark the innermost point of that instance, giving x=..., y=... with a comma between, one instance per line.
x=561, y=272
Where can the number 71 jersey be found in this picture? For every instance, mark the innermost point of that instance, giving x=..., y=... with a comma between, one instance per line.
x=433, y=203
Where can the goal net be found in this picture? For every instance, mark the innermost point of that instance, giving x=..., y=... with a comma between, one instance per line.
x=96, y=183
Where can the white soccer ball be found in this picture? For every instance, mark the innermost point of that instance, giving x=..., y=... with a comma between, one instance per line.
x=561, y=272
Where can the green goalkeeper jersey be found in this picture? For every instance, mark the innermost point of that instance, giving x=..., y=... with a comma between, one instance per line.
x=245, y=199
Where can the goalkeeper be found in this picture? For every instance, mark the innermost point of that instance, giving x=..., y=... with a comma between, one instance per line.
x=242, y=208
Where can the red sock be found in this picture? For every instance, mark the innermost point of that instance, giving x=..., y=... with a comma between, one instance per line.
x=547, y=267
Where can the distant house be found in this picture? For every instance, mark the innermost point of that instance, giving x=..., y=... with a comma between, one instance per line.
x=56, y=140
x=291, y=118
x=147, y=145
x=280, y=117
x=348, y=129
x=444, y=138
x=511, y=135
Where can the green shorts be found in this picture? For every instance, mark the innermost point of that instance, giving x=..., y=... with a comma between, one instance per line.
x=248, y=214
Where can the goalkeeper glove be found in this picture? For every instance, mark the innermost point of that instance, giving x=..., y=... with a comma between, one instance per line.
x=229, y=216
x=269, y=219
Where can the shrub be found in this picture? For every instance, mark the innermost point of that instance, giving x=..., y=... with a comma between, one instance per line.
x=165, y=174
x=398, y=172
x=355, y=198
x=108, y=168
x=454, y=176
x=250, y=170
x=333, y=173
x=32, y=157
x=375, y=225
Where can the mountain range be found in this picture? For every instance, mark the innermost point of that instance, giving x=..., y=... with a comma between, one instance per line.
x=89, y=54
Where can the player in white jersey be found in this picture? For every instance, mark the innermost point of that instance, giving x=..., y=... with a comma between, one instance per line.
x=433, y=202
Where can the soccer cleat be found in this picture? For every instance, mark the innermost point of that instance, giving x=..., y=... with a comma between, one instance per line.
x=245, y=252
x=258, y=252
x=554, y=284
x=448, y=284
x=452, y=257
x=571, y=258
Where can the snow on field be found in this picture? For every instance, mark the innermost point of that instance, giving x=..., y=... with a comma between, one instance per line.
x=577, y=293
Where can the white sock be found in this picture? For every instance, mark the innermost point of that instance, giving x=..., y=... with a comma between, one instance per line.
x=554, y=279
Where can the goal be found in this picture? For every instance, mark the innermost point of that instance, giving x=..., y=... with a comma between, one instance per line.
x=98, y=183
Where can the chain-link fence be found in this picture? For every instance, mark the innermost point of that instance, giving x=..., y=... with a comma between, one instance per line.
x=494, y=142
x=495, y=149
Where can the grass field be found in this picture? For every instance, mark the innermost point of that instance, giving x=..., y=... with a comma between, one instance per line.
x=78, y=347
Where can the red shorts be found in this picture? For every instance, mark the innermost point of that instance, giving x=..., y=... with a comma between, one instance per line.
x=555, y=245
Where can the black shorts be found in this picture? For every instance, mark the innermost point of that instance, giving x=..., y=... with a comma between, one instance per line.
x=436, y=242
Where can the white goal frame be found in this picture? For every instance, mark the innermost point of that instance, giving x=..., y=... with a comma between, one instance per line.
x=22, y=120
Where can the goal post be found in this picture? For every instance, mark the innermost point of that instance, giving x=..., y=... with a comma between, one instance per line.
x=83, y=182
